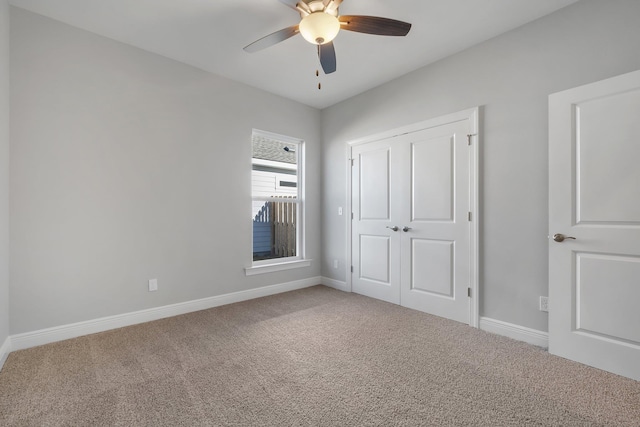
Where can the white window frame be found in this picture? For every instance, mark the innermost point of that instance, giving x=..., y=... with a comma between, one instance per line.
x=298, y=261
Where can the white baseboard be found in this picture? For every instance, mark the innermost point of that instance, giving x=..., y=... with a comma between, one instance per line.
x=5, y=349
x=517, y=332
x=64, y=332
x=335, y=284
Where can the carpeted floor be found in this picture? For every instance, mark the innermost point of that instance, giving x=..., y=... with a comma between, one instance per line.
x=314, y=357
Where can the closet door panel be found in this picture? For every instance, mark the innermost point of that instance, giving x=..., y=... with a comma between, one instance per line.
x=432, y=189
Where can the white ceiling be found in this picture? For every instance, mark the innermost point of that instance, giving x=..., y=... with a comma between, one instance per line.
x=210, y=34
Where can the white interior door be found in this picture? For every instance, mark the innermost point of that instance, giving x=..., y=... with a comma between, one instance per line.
x=375, y=204
x=435, y=246
x=594, y=201
x=412, y=240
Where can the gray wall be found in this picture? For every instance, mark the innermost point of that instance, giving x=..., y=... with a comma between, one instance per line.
x=511, y=76
x=127, y=166
x=4, y=171
x=124, y=163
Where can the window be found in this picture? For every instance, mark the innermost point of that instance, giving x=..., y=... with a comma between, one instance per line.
x=277, y=201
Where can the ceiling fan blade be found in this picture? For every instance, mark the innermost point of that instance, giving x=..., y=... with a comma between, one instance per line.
x=271, y=39
x=327, y=55
x=374, y=25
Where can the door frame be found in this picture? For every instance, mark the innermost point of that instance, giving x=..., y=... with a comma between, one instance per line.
x=473, y=115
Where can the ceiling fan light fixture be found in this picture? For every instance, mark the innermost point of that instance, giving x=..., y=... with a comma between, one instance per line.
x=319, y=28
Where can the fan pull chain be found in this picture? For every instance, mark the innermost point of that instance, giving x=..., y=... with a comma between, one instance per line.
x=319, y=84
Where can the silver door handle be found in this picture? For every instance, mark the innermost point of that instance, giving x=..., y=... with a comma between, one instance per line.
x=394, y=228
x=561, y=237
x=405, y=228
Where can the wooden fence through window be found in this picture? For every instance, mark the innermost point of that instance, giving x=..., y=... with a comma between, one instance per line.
x=280, y=219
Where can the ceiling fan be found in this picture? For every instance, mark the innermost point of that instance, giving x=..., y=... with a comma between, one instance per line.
x=320, y=24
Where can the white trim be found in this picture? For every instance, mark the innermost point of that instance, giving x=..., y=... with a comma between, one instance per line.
x=474, y=205
x=335, y=284
x=5, y=349
x=59, y=333
x=349, y=219
x=278, y=136
x=271, y=268
x=473, y=115
x=469, y=114
x=517, y=332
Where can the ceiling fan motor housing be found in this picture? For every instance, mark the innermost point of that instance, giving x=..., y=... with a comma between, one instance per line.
x=319, y=6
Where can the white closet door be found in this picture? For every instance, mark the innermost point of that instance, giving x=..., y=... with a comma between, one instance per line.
x=375, y=203
x=435, y=248
x=412, y=240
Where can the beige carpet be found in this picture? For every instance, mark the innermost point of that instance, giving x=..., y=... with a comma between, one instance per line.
x=314, y=357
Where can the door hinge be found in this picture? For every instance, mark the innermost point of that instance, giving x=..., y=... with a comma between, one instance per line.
x=351, y=162
x=351, y=215
x=352, y=268
x=470, y=216
x=469, y=292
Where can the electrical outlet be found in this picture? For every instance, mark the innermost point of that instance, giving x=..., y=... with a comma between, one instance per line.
x=335, y=263
x=544, y=304
x=340, y=210
x=153, y=285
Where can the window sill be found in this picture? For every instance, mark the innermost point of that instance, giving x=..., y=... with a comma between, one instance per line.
x=280, y=266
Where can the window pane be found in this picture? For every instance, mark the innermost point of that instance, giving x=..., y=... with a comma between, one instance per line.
x=275, y=230
x=274, y=162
